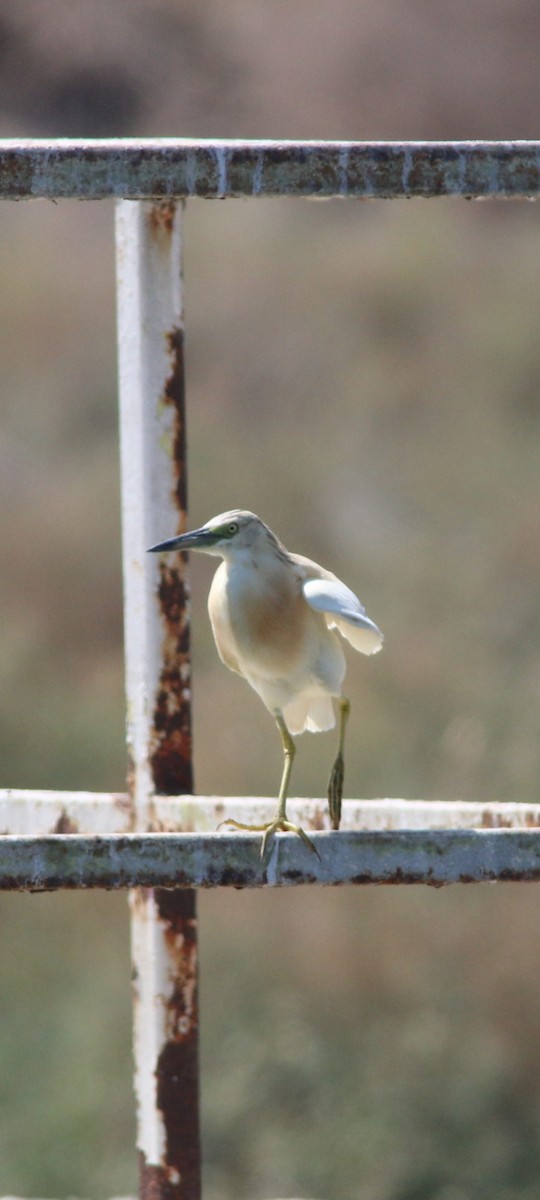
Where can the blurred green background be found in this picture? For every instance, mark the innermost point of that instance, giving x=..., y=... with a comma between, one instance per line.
x=366, y=377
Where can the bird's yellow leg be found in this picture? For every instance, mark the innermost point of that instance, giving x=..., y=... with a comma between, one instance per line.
x=280, y=821
x=335, y=782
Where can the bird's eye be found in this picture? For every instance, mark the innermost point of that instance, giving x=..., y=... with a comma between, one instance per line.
x=232, y=528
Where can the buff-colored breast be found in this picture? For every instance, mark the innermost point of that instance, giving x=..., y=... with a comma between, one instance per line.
x=258, y=618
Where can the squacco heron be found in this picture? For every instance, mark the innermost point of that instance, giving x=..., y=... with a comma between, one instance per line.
x=273, y=616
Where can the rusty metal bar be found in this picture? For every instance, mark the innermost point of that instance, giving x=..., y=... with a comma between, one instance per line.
x=146, y=168
x=38, y=812
x=202, y=814
x=196, y=860
x=400, y=842
x=23, y=811
x=164, y=927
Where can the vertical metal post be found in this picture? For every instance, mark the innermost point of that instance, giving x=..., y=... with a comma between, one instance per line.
x=153, y=460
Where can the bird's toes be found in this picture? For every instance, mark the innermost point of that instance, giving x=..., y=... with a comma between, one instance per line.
x=280, y=823
x=269, y=830
x=288, y=826
x=284, y=826
x=241, y=825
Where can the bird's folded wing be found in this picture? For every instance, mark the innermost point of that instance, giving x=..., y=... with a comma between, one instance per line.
x=344, y=611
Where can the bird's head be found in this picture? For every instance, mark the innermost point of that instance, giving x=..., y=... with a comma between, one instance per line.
x=224, y=535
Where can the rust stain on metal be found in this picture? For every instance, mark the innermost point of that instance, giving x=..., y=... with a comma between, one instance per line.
x=317, y=819
x=171, y=740
x=124, y=803
x=297, y=877
x=236, y=877
x=65, y=824
x=493, y=820
x=177, y=911
x=131, y=772
x=174, y=395
x=177, y=1097
x=153, y=1182
x=17, y=174
x=177, y=1070
x=399, y=876
x=162, y=213
x=138, y=901
x=171, y=745
x=516, y=875
x=506, y=875
x=163, y=1183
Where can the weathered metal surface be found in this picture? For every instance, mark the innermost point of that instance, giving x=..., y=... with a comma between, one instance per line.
x=169, y=167
x=203, y=813
x=177, y=1069
x=39, y=812
x=164, y=937
x=150, y=321
x=196, y=860
x=170, y=759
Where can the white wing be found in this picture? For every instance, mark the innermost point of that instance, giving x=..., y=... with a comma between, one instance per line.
x=344, y=611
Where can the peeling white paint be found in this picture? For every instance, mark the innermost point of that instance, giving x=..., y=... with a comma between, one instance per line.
x=149, y=311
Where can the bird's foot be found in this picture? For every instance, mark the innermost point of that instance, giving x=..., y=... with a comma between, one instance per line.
x=335, y=791
x=278, y=824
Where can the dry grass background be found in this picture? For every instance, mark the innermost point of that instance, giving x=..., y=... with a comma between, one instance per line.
x=366, y=377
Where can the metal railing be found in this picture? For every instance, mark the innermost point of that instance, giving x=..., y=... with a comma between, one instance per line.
x=159, y=840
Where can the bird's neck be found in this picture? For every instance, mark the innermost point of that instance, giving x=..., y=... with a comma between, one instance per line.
x=249, y=575
x=249, y=560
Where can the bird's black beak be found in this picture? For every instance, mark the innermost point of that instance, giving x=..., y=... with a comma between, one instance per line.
x=198, y=539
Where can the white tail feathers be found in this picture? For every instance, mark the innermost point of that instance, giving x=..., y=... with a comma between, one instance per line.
x=314, y=713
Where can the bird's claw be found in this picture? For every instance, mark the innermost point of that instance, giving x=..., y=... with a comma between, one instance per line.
x=287, y=827
x=278, y=824
x=335, y=791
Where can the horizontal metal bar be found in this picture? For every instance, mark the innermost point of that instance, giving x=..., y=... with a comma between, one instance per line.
x=203, y=813
x=38, y=812
x=24, y=811
x=138, y=169
x=233, y=859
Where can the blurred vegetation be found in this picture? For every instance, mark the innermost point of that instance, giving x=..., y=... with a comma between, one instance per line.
x=366, y=377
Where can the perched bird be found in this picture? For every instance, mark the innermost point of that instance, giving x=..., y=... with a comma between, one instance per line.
x=273, y=616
